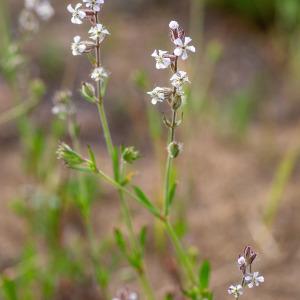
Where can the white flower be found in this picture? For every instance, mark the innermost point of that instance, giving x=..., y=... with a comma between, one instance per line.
x=78, y=47
x=235, y=290
x=174, y=25
x=157, y=95
x=44, y=10
x=182, y=47
x=179, y=79
x=77, y=13
x=98, y=32
x=99, y=74
x=162, y=62
x=95, y=5
x=254, y=279
x=241, y=261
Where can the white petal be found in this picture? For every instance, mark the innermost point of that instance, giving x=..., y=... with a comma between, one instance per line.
x=184, y=55
x=154, y=54
x=178, y=42
x=191, y=48
x=178, y=51
x=187, y=40
x=70, y=8
x=77, y=39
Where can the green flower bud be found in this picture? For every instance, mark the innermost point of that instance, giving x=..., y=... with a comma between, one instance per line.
x=69, y=156
x=174, y=149
x=88, y=92
x=130, y=155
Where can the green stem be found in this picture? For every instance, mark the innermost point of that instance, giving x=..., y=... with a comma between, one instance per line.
x=182, y=255
x=110, y=148
x=169, y=164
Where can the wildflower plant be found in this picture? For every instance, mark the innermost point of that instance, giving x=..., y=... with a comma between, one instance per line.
x=250, y=278
x=133, y=248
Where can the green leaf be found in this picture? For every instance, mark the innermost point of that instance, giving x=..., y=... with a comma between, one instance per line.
x=120, y=241
x=145, y=201
x=92, y=158
x=116, y=164
x=9, y=289
x=143, y=237
x=204, y=275
x=171, y=196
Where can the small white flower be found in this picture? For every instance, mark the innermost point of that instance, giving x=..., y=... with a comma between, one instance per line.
x=44, y=10
x=183, y=47
x=162, y=62
x=254, y=279
x=98, y=32
x=179, y=79
x=77, y=13
x=94, y=5
x=157, y=95
x=78, y=47
x=241, y=261
x=235, y=290
x=99, y=74
x=173, y=25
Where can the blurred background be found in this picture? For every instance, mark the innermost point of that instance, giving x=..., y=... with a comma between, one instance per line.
x=239, y=175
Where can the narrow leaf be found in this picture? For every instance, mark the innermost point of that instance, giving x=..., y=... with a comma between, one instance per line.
x=171, y=196
x=145, y=201
x=204, y=275
x=120, y=241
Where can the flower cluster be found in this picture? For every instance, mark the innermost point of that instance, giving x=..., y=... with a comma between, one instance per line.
x=250, y=279
x=32, y=12
x=164, y=60
x=88, y=10
x=174, y=94
x=63, y=106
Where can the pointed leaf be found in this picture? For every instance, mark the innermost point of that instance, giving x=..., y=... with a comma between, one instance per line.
x=171, y=196
x=204, y=275
x=145, y=201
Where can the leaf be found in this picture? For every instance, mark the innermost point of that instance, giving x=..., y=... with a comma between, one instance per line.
x=9, y=289
x=120, y=241
x=143, y=237
x=92, y=158
x=204, y=275
x=170, y=197
x=145, y=201
x=116, y=164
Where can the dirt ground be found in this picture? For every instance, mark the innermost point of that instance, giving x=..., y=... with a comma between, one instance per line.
x=229, y=181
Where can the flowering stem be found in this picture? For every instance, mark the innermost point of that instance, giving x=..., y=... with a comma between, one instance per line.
x=169, y=164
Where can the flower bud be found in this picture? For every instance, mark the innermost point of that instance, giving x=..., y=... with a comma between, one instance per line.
x=69, y=156
x=130, y=155
x=249, y=254
x=88, y=92
x=177, y=101
x=174, y=149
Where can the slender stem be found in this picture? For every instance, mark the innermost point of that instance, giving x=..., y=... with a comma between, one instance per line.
x=169, y=164
x=110, y=148
x=182, y=255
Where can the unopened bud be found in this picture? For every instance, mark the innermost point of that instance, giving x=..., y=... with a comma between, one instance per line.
x=88, y=92
x=174, y=149
x=130, y=155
